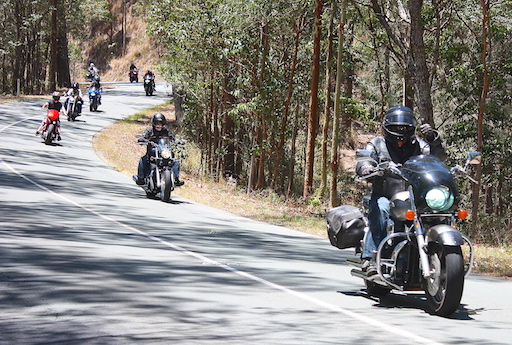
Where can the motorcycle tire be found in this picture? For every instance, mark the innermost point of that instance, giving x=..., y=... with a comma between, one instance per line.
x=94, y=106
x=166, y=185
x=49, y=134
x=444, y=288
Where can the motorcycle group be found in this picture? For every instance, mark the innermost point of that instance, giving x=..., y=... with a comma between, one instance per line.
x=159, y=169
x=149, y=79
x=49, y=130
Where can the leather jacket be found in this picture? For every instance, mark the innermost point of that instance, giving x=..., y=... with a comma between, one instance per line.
x=383, y=151
x=153, y=135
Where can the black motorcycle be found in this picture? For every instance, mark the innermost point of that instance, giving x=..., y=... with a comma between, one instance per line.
x=149, y=86
x=161, y=178
x=423, y=249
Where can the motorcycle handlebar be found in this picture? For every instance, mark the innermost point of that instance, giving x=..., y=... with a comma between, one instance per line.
x=383, y=168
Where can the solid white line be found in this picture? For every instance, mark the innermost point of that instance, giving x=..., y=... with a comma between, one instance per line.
x=202, y=258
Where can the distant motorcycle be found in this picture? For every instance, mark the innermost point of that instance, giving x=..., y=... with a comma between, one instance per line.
x=74, y=107
x=94, y=98
x=50, y=130
x=423, y=248
x=161, y=177
x=149, y=86
x=134, y=75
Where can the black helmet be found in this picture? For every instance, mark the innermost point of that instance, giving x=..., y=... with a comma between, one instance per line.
x=75, y=85
x=399, y=125
x=158, y=118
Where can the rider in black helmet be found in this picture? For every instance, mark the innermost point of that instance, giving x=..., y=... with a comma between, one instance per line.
x=154, y=133
x=398, y=144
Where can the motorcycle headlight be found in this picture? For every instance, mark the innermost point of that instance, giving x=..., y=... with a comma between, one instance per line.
x=439, y=198
x=166, y=154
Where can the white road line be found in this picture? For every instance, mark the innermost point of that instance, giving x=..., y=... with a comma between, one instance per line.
x=202, y=258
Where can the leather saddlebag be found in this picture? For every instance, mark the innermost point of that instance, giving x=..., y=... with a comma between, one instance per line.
x=345, y=226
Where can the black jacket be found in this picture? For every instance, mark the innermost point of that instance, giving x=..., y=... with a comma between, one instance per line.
x=382, y=151
x=153, y=135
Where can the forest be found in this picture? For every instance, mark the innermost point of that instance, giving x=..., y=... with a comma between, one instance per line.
x=278, y=94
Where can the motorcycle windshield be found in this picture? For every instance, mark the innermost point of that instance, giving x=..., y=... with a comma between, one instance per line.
x=425, y=173
x=164, y=143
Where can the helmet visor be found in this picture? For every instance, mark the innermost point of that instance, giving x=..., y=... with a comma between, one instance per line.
x=401, y=118
x=400, y=129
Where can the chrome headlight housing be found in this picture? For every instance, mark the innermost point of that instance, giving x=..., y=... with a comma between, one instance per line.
x=439, y=198
x=166, y=154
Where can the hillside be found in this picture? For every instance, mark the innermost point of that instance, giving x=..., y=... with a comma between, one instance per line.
x=104, y=47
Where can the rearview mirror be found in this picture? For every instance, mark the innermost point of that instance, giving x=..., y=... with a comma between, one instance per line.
x=474, y=158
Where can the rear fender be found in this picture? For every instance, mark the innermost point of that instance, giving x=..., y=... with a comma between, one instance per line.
x=445, y=234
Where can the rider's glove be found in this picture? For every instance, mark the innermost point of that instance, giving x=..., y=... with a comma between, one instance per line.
x=367, y=170
x=427, y=132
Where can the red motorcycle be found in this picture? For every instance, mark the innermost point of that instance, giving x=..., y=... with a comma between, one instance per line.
x=134, y=75
x=51, y=127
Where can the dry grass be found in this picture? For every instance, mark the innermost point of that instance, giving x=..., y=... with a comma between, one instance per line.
x=264, y=206
x=21, y=98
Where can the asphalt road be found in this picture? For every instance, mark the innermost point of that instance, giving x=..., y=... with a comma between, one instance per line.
x=86, y=258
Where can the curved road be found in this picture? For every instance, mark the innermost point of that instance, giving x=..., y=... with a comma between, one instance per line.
x=85, y=258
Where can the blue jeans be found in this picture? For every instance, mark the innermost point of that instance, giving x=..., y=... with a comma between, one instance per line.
x=143, y=169
x=378, y=218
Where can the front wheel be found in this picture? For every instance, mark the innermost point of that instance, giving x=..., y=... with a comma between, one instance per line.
x=166, y=185
x=445, y=285
x=49, y=134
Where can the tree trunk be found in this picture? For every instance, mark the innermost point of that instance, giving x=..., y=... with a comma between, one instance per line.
x=420, y=75
x=52, y=82
x=313, y=108
x=334, y=198
x=486, y=83
x=293, y=150
x=328, y=105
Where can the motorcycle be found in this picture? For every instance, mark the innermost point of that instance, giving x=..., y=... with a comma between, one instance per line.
x=94, y=98
x=74, y=107
x=423, y=249
x=148, y=85
x=134, y=75
x=50, y=130
x=161, y=178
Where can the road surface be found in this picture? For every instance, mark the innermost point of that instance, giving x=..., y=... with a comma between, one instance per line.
x=86, y=258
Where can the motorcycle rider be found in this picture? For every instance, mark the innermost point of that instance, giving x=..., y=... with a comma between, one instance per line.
x=54, y=103
x=95, y=83
x=152, y=76
x=74, y=92
x=154, y=133
x=132, y=69
x=92, y=71
x=398, y=144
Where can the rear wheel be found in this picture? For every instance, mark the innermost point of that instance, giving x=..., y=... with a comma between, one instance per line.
x=49, y=134
x=166, y=185
x=445, y=285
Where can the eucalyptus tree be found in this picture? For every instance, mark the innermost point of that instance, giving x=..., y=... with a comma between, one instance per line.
x=234, y=59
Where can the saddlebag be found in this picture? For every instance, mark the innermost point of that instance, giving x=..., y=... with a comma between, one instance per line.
x=345, y=226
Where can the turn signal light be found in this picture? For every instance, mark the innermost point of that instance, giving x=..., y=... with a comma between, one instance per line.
x=462, y=214
x=410, y=215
